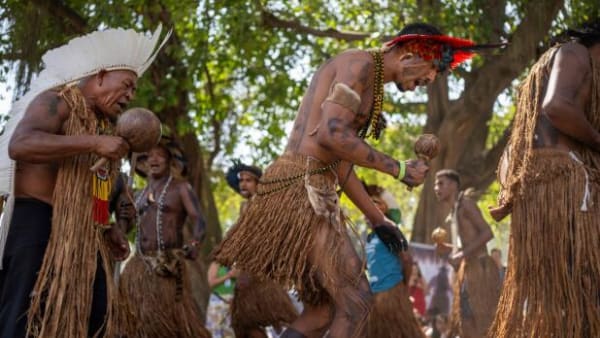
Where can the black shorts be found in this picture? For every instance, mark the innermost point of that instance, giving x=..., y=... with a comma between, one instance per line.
x=24, y=253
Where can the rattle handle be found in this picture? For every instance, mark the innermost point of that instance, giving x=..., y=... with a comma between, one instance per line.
x=99, y=164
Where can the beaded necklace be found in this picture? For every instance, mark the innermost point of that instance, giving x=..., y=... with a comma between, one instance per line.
x=161, y=203
x=376, y=122
x=284, y=182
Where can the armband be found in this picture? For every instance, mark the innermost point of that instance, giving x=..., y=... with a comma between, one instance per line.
x=345, y=96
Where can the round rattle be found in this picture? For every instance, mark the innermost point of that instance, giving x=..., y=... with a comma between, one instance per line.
x=427, y=147
x=439, y=235
x=140, y=128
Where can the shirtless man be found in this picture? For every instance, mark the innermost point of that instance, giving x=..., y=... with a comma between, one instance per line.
x=257, y=303
x=38, y=145
x=549, y=178
x=156, y=279
x=477, y=284
x=292, y=231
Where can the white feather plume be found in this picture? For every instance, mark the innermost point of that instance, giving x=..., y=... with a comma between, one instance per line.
x=110, y=49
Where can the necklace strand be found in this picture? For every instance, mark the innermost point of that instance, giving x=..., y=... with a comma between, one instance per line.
x=161, y=200
x=375, y=125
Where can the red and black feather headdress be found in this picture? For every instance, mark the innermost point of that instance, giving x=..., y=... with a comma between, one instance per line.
x=447, y=52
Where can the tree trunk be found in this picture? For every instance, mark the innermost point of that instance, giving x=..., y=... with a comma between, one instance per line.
x=461, y=125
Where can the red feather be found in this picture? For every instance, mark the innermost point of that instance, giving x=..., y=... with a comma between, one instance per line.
x=459, y=56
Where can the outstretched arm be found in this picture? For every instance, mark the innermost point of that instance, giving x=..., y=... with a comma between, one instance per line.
x=338, y=135
x=571, y=71
x=213, y=275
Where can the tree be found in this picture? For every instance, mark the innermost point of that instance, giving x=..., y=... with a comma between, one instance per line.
x=233, y=73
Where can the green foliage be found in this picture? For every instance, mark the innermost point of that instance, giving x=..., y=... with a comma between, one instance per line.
x=236, y=81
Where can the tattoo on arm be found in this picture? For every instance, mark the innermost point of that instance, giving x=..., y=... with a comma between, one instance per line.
x=53, y=105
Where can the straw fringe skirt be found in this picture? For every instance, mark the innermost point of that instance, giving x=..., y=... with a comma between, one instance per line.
x=274, y=237
x=476, y=292
x=161, y=308
x=552, y=283
x=392, y=315
x=259, y=304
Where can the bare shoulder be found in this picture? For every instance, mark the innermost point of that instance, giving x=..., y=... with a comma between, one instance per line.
x=184, y=188
x=49, y=103
x=181, y=184
x=574, y=53
x=468, y=205
x=355, y=68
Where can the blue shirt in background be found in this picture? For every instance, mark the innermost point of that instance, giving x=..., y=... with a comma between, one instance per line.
x=384, y=268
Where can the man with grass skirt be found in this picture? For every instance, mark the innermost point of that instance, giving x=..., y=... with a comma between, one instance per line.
x=257, y=302
x=57, y=245
x=477, y=280
x=550, y=177
x=292, y=230
x=155, y=279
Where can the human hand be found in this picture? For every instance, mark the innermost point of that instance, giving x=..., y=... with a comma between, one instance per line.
x=117, y=243
x=191, y=249
x=126, y=210
x=233, y=273
x=443, y=249
x=191, y=252
x=498, y=213
x=456, y=259
x=110, y=147
x=416, y=170
x=392, y=237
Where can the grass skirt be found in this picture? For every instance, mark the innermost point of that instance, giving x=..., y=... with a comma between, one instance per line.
x=552, y=282
x=259, y=304
x=274, y=237
x=476, y=292
x=162, y=306
x=392, y=315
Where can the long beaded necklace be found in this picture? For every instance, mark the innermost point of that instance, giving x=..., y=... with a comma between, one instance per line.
x=161, y=203
x=376, y=123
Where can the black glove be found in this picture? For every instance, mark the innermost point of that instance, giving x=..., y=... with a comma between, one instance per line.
x=392, y=237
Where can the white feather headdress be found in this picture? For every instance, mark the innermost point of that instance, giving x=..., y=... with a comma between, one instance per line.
x=110, y=49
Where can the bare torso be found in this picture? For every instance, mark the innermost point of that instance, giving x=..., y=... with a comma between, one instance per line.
x=37, y=180
x=173, y=216
x=354, y=68
x=467, y=230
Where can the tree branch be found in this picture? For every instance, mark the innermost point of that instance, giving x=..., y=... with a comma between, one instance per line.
x=270, y=20
x=59, y=10
x=497, y=73
x=214, y=121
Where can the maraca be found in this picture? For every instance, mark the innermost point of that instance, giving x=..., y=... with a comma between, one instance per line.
x=140, y=128
x=427, y=147
x=439, y=235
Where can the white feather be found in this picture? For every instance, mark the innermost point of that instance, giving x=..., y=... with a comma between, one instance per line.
x=110, y=49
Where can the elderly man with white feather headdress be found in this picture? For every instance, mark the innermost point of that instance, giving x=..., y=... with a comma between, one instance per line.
x=56, y=244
